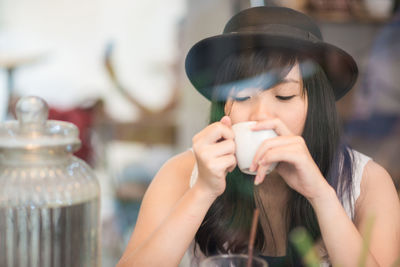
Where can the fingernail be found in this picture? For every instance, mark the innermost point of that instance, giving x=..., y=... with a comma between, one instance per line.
x=252, y=167
x=256, y=180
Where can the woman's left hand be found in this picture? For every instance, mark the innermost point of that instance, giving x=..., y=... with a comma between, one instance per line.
x=296, y=165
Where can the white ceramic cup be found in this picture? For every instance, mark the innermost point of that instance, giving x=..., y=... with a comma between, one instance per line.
x=247, y=142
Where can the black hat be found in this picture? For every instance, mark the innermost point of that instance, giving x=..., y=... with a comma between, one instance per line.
x=269, y=27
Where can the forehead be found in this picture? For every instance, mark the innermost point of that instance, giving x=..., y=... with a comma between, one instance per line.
x=294, y=73
x=292, y=79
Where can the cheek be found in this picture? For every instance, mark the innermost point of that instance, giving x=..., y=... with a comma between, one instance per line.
x=238, y=112
x=295, y=119
x=296, y=125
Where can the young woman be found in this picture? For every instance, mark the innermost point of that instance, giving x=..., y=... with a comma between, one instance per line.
x=270, y=66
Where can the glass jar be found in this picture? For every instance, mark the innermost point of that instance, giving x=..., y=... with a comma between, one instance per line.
x=49, y=199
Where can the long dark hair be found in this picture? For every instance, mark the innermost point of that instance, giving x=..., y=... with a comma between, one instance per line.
x=226, y=226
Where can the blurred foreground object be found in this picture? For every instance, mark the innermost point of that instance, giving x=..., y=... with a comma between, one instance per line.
x=49, y=199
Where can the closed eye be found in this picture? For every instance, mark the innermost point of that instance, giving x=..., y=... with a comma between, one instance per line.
x=241, y=99
x=281, y=97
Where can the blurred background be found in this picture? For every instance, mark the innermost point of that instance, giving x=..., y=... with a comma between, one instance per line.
x=116, y=70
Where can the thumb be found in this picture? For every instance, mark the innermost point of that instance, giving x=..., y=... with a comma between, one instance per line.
x=226, y=121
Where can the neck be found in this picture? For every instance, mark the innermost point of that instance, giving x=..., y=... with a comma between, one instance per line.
x=273, y=193
x=274, y=184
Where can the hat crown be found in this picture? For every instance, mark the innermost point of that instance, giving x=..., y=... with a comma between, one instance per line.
x=269, y=28
x=258, y=19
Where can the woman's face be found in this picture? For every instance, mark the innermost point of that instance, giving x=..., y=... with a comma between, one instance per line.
x=285, y=101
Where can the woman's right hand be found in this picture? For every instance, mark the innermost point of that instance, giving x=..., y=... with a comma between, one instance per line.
x=214, y=149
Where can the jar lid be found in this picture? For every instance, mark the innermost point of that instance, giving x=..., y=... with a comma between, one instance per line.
x=32, y=130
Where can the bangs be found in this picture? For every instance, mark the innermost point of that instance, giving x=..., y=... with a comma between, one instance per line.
x=256, y=69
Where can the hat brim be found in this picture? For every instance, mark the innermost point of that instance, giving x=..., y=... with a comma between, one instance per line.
x=205, y=57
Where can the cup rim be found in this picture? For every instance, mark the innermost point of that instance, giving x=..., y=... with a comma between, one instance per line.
x=244, y=123
x=241, y=124
x=241, y=256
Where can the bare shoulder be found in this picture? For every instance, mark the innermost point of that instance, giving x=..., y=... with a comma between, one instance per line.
x=376, y=180
x=173, y=178
x=167, y=187
x=378, y=213
x=378, y=193
x=176, y=170
x=171, y=181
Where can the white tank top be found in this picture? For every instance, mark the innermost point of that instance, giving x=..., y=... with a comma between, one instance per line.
x=359, y=162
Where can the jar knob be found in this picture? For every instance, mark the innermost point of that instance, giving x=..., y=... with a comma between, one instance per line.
x=32, y=113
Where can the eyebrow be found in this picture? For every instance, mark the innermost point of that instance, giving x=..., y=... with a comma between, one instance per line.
x=289, y=80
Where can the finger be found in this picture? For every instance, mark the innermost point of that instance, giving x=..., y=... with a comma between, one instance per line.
x=274, y=155
x=272, y=143
x=213, y=133
x=275, y=124
x=232, y=168
x=225, y=163
x=288, y=153
x=222, y=148
x=261, y=174
x=226, y=120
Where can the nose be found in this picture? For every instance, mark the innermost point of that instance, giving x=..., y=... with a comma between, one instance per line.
x=261, y=111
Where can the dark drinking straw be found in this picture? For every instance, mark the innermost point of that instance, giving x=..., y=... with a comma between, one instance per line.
x=253, y=231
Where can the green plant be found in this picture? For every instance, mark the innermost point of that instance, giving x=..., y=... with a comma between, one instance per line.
x=303, y=243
